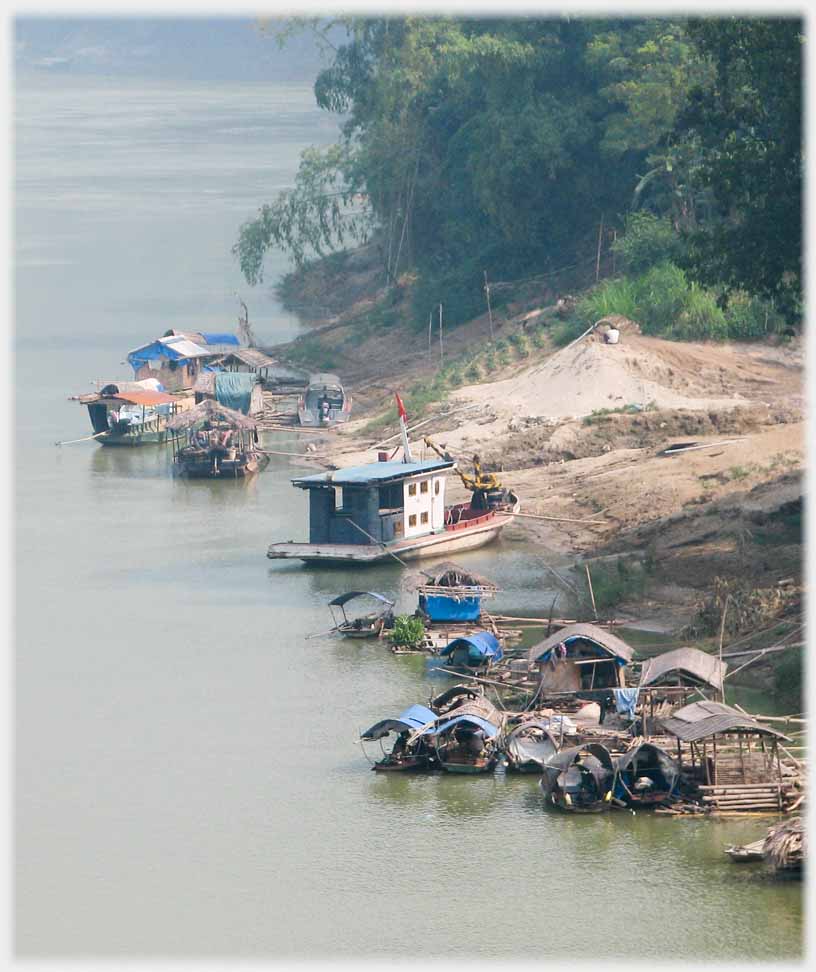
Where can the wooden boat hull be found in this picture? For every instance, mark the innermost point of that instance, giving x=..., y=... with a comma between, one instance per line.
x=228, y=469
x=130, y=440
x=471, y=769
x=454, y=539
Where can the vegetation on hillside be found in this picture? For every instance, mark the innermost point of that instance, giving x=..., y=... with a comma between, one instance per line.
x=525, y=146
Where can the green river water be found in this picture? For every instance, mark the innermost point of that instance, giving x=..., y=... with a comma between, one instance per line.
x=187, y=779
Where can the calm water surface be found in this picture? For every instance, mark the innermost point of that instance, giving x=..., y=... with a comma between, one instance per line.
x=188, y=780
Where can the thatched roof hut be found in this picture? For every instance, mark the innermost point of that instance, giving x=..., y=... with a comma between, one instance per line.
x=449, y=574
x=784, y=846
x=211, y=411
x=684, y=666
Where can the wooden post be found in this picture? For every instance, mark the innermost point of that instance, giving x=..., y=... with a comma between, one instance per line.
x=598, y=257
x=441, y=345
x=614, y=241
x=489, y=311
x=722, y=633
x=430, y=324
x=591, y=592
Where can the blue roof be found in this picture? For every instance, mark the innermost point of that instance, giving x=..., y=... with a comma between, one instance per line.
x=414, y=717
x=488, y=727
x=211, y=338
x=484, y=643
x=372, y=472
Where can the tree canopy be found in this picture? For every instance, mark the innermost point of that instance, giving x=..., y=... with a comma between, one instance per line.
x=503, y=143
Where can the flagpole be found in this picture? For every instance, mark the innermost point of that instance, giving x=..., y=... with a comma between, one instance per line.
x=403, y=419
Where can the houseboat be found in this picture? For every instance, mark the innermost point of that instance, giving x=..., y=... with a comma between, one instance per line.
x=466, y=740
x=324, y=402
x=451, y=594
x=131, y=413
x=178, y=358
x=411, y=750
x=215, y=442
x=579, y=779
x=391, y=510
x=473, y=653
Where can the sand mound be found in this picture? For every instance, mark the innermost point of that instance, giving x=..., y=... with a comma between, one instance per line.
x=590, y=376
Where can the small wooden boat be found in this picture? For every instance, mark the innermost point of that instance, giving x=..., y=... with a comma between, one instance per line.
x=324, y=403
x=369, y=625
x=528, y=745
x=476, y=652
x=131, y=413
x=411, y=750
x=579, y=779
x=646, y=776
x=466, y=738
x=747, y=853
x=219, y=443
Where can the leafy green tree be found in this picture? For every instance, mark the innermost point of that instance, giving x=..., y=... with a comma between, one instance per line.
x=748, y=125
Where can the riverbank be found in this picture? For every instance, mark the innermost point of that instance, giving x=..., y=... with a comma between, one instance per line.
x=690, y=453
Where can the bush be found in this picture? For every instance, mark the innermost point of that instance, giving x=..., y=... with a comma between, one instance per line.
x=614, y=582
x=408, y=631
x=647, y=241
x=617, y=295
x=660, y=297
x=566, y=331
x=749, y=318
x=702, y=318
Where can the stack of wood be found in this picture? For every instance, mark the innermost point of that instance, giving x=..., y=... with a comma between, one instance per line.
x=750, y=797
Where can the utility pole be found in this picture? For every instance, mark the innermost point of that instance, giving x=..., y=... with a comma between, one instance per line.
x=441, y=345
x=489, y=311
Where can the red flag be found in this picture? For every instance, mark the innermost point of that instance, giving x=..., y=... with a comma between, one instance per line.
x=401, y=408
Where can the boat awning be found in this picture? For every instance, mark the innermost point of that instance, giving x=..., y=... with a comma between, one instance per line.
x=689, y=663
x=372, y=472
x=345, y=598
x=489, y=729
x=142, y=398
x=483, y=644
x=414, y=717
x=607, y=642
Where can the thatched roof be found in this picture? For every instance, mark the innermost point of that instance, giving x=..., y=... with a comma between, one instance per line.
x=700, y=720
x=449, y=574
x=695, y=665
x=610, y=643
x=784, y=846
x=211, y=411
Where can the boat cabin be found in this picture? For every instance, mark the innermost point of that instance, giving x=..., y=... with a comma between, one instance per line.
x=580, y=658
x=376, y=503
x=475, y=652
x=174, y=360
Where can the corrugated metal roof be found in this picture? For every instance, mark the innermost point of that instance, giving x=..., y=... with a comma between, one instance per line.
x=372, y=472
x=701, y=719
x=599, y=636
x=690, y=661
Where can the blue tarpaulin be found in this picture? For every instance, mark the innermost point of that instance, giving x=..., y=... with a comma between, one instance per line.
x=414, y=717
x=625, y=701
x=234, y=390
x=489, y=729
x=214, y=338
x=438, y=607
x=481, y=647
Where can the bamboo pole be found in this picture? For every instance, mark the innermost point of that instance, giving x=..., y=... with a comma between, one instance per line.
x=564, y=519
x=591, y=592
x=85, y=438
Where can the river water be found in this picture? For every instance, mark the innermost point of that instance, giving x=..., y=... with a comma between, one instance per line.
x=187, y=776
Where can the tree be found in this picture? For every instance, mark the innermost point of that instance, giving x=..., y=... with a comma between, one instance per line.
x=748, y=125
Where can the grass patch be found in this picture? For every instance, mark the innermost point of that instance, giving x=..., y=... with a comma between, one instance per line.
x=621, y=580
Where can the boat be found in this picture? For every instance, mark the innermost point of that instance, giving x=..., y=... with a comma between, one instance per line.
x=466, y=739
x=217, y=443
x=324, y=402
x=411, y=750
x=131, y=413
x=579, y=779
x=528, y=745
x=451, y=594
x=385, y=510
x=368, y=625
x=646, y=776
x=476, y=652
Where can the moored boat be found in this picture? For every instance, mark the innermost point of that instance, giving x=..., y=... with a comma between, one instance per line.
x=411, y=749
x=131, y=413
x=367, y=625
x=324, y=403
x=528, y=745
x=219, y=443
x=579, y=779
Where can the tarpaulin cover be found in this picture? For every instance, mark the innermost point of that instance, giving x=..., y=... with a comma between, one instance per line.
x=215, y=338
x=441, y=608
x=414, y=717
x=647, y=760
x=170, y=348
x=345, y=598
x=489, y=729
x=480, y=646
x=234, y=389
x=145, y=398
x=625, y=701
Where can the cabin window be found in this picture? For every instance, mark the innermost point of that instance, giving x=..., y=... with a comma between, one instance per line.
x=423, y=486
x=412, y=489
x=391, y=497
x=342, y=502
x=412, y=520
x=423, y=518
x=436, y=487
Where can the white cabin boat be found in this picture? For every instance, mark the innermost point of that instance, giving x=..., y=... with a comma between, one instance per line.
x=385, y=510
